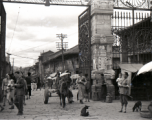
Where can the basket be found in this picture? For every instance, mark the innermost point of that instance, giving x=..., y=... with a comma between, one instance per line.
x=145, y=114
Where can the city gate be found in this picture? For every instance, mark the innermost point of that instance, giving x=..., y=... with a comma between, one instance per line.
x=132, y=31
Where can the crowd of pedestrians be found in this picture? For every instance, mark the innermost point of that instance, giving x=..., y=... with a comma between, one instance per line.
x=16, y=88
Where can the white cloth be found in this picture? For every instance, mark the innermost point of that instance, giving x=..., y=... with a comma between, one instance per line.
x=10, y=90
x=119, y=80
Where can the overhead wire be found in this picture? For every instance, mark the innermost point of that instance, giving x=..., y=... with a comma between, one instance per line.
x=41, y=45
x=34, y=47
x=14, y=30
x=22, y=56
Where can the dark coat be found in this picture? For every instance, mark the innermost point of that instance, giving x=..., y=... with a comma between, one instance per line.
x=28, y=80
x=19, y=91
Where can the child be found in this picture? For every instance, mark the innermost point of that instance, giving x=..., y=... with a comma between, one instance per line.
x=119, y=79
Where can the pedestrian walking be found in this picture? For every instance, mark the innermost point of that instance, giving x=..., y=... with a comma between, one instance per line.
x=19, y=92
x=28, y=81
x=87, y=88
x=103, y=88
x=10, y=92
x=32, y=84
x=124, y=92
x=39, y=83
x=35, y=83
x=25, y=89
x=4, y=88
x=81, y=87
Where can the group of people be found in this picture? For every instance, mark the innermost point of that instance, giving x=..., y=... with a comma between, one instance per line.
x=83, y=87
x=16, y=88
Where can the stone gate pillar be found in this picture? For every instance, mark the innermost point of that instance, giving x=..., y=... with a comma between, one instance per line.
x=102, y=39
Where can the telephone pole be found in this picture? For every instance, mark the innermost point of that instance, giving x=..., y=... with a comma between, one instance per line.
x=13, y=66
x=61, y=37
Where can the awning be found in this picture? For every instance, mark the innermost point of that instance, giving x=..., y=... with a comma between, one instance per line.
x=130, y=67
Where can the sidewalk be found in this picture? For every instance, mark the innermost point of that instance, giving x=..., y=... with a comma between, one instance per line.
x=37, y=110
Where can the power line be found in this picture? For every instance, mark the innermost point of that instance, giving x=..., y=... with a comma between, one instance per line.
x=14, y=29
x=34, y=47
x=41, y=45
x=22, y=56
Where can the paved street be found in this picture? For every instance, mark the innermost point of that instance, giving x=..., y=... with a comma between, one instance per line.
x=35, y=109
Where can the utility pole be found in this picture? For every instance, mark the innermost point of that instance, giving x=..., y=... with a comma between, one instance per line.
x=13, y=66
x=61, y=37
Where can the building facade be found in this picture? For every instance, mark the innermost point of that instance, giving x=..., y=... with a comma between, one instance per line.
x=2, y=44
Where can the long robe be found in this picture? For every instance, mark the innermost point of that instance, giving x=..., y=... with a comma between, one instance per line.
x=81, y=87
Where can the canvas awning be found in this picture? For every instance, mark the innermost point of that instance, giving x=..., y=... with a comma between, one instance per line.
x=130, y=67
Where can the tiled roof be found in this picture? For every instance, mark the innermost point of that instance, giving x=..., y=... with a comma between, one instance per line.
x=73, y=50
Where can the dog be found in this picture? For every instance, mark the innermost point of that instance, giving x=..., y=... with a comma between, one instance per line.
x=137, y=106
x=84, y=111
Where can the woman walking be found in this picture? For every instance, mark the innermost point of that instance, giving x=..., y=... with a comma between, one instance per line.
x=38, y=83
x=81, y=81
x=4, y=88
x=124, y=92
x=10, y=91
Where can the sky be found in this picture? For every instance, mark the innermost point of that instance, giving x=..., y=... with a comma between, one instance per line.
x=32, y=29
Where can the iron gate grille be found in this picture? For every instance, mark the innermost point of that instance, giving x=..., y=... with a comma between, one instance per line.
x=132, y=30
x=85, y=42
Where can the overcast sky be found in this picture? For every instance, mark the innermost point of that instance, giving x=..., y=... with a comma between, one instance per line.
x=38, y=25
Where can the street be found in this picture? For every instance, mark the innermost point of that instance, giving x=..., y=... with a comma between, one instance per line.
x=37, y=110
